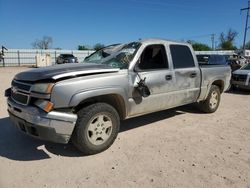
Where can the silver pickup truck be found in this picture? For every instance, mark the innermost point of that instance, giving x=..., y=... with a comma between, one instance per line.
x=85, y=102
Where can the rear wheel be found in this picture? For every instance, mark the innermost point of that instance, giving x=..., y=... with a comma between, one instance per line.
x=96, y=128
x=212, y=101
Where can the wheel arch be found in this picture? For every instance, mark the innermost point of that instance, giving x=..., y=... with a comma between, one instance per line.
x=220, y=84
x=115, y=100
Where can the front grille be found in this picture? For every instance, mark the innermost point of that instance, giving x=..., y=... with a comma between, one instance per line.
x=21, y=86
x=20, y=98
x=239, y=77
x=20, y=92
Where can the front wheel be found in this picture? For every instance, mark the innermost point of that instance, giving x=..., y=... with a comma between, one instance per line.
x=212, y=101
x=96, y=128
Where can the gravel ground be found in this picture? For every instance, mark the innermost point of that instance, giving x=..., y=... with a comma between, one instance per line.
x=180, y=147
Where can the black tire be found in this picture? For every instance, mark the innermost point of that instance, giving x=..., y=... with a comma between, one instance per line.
x=84, y=138
x=209, y=106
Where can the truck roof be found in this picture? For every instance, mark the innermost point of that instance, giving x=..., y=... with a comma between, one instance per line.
x=158, y=40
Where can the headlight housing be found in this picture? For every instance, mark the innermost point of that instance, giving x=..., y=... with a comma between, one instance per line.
x=45, y=105
x=44, y=88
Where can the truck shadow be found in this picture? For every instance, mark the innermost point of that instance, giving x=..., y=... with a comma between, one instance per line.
x=238, y=92
x=157, y=116
x=15, y=145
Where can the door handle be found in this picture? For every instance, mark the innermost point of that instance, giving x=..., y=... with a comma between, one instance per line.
x=193, y=75
x=168, y=77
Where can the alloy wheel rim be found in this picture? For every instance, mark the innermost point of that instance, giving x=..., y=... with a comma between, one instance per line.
x=99, y=129
x=214, y=100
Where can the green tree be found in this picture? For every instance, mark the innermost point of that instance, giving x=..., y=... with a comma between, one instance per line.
x=227, y=40
x=199, y=46
x=82, y=47
x=98, y=46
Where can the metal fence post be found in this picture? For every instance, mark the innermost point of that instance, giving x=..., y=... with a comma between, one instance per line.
x=55, y=57
x=18, y=58
x=36, y=58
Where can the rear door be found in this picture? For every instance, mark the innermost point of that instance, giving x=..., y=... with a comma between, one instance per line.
x=186, y=73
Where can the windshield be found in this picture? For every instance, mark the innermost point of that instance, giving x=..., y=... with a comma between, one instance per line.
x=122, y=57
x=104, y=52
x=246, y=67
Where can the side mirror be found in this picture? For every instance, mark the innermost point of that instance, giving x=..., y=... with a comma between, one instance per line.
x=142, y=89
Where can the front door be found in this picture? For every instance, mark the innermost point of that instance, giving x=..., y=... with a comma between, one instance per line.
x=153, y=66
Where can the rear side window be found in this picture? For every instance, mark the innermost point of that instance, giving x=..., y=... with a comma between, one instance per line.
x=181, y=56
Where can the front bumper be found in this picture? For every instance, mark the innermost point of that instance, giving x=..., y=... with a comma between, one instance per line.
x=53, y=126
x=240, y=84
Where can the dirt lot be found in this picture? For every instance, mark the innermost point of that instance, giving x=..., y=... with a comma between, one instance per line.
x=174, y=148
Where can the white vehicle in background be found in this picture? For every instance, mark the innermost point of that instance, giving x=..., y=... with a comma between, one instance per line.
x=241, y=78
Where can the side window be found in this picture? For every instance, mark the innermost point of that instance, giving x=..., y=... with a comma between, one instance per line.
x=212, y=59
x=153, y=57
x=181, y=56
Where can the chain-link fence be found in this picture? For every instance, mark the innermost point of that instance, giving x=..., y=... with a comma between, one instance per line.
x=27, y=57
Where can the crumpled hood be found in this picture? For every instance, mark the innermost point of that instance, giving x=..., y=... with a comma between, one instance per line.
x=63, y=71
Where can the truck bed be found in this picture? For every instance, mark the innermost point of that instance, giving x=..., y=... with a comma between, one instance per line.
x=209, y=73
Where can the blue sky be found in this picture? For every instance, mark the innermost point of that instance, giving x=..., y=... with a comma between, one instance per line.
x=74, y=22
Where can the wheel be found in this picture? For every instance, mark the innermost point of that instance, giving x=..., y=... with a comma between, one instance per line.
x=96, y=128
x=212, y=101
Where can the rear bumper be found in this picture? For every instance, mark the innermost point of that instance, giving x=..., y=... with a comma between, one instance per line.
x=53, y=126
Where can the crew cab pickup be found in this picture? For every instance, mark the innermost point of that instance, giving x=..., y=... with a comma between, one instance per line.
x=86, y=102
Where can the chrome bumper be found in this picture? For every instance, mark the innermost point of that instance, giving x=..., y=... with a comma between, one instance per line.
x=53, y=126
